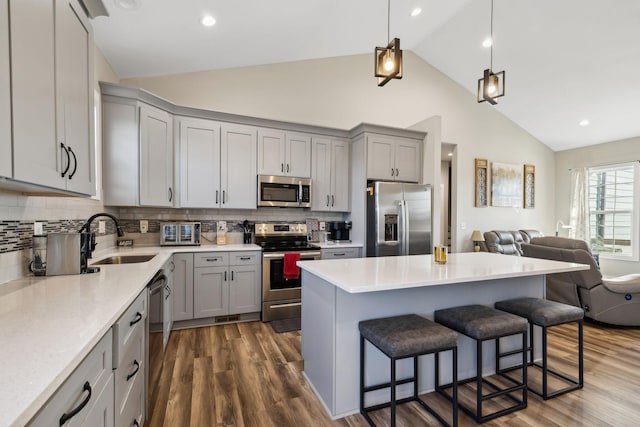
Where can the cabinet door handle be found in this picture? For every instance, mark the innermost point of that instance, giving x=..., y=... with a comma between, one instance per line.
x=287, y=167
x=232, y=275
x=224, y=196
x=327, y=200
x=333, y=200
x=225, y=276
x=133, y=374
x=245, y=258
x=170, y=194
x=391, y=171
x=75, y=162
x=396, y=171
x=137, y=319
x=64, y=172
x=216, y=197
x=67, y=416
x=281, y=167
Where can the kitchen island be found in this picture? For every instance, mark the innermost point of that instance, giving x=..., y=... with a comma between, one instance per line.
x=337, y=294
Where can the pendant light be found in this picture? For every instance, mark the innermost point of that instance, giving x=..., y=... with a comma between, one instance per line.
x=491, y=85
x=388, y=60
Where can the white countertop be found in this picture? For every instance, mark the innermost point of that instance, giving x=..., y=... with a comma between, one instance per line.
x=335, y=245
x=388, y=273
x=49, y=324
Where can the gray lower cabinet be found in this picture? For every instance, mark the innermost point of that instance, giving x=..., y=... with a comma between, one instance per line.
x=86, y=398
x=183, y=287
x=340, y=253
x=221, y=284
x=129, y=363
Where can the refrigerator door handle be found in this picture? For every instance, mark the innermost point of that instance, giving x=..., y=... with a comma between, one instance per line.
x=402, y=218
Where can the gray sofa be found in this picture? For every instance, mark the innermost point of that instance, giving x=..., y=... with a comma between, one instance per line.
x=507, y=242
x=615, y=301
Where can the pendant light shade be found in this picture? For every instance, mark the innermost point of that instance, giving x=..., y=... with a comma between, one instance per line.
x=491, y=85
x=388, y=62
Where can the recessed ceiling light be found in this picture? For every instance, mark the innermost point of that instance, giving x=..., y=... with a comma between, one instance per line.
x=584, y=122
x=208, y=21
x=450, y=154
x=415, y=12
x=487, y=42
x=127, y=4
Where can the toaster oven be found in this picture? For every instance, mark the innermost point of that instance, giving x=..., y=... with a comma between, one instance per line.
x=180, y=233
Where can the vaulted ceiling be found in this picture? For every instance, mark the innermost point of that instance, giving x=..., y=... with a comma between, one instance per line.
x=566, y=61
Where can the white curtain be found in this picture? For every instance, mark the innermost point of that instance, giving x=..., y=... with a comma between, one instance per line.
x=579, y=208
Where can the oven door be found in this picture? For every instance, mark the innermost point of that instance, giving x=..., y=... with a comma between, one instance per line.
x=280, y=296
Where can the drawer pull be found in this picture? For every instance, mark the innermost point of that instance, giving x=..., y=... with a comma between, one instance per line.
x=339, y=254
x=245, y=258
x=212, y=259
x=133, y=374
x=137, y=319
x=66, y=417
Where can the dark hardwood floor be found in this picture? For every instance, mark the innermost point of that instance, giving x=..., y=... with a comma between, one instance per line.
x=246, y=375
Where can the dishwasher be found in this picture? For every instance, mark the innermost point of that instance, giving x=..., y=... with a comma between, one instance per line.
x=159, y=290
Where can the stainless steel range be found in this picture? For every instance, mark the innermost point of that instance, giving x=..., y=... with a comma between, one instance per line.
x=281, y=293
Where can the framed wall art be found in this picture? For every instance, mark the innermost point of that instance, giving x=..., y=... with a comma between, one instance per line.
x=529, y=186
x=481, y=183
x=506, y=185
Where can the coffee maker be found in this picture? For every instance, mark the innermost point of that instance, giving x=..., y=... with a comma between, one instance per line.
x=339, y=230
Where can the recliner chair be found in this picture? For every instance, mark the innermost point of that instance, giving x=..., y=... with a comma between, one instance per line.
x=507, y=242
x=615, y=301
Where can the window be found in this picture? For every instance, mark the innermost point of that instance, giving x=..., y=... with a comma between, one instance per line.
x=613, y=211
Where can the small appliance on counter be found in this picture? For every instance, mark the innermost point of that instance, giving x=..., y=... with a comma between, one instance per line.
x=38, y=265
x=180, y=234
x=339, y=231
x=63, y=254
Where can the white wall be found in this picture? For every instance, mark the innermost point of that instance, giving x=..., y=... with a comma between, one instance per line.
x=342, y=92
x=602, y=154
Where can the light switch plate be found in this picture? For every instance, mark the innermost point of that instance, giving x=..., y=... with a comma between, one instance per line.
x=144, y=225
x=37, y=228
x=102, y=227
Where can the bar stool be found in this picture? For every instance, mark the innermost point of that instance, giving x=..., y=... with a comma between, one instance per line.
x=545, y=314
x=401, y=337
x=482, y=324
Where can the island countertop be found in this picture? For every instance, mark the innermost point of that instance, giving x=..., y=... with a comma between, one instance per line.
x=400, y=272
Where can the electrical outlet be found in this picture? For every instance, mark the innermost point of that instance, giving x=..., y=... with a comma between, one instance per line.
x=463, y=226
x=37, y=228
x=322, y=225
x=102, y=227
x=144, y=225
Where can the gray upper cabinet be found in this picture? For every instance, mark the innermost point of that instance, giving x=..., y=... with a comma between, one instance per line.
x=393, y=158
x=52, y=85
x=137, y=154
x=217, y=164
x=330, y=175
x=5, y=92
x=156, y=157
x=283, y=153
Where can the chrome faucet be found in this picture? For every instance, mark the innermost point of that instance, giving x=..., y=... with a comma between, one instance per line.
x=88, y=238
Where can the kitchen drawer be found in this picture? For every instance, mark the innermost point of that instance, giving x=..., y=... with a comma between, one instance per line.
x=129, y=373
x=245, y=258
x=340, y=253
x=211, y=259
x=134, y=410
x=83, y=386
x=129, y=324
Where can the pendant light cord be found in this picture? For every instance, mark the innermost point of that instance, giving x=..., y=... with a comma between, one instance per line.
x=491, y=64
x=389, y=19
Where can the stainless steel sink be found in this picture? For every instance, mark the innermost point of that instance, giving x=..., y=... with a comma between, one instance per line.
x=124, y=259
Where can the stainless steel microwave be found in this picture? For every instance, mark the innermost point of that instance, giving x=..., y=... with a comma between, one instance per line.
x=179, y=233
x=284, y=191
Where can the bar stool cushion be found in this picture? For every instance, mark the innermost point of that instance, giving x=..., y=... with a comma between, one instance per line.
x=481, y=322
x=542, y=312
x=401, y=336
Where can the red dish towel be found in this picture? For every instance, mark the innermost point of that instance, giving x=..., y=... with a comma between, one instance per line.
x=291, y=270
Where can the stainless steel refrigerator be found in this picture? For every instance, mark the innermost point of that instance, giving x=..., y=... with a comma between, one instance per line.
x=398, y=219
